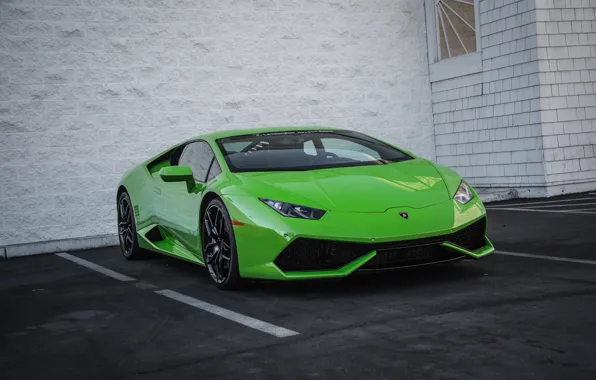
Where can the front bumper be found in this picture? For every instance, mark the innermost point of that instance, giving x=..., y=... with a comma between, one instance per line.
x=273, y=247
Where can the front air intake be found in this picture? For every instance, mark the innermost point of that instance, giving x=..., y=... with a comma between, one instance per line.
x=316, y=254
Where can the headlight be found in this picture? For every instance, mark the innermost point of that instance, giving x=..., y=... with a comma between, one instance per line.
x=294, y=211
x=463, y=194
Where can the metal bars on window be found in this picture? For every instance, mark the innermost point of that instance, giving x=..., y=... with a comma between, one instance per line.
x=455, y=27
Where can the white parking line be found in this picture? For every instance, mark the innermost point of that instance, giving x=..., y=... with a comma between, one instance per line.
x=543, y=202
x=542, y=257
x=537, y=210
x=242, y=319
x=95, y=267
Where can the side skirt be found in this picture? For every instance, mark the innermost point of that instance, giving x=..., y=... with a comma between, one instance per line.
x=153, y=239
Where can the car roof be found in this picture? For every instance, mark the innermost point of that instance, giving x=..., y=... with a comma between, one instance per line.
x=252, y=131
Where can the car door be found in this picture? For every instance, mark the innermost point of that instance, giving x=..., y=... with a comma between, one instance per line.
x=182, y=206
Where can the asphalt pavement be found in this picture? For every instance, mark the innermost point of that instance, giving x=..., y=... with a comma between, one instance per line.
x=526, y=312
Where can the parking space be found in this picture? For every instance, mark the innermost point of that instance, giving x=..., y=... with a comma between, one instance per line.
x=561, y=226
x=66, y=321
x=93, y=315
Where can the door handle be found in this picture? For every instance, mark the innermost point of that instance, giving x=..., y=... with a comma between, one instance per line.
x=157, y=190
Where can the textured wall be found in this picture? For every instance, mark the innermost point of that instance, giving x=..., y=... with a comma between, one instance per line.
x=528, y=119
x=567, y=59
x=488, y=124
x=90, y=87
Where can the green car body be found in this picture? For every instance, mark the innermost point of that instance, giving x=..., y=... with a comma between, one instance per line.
x=368, y=209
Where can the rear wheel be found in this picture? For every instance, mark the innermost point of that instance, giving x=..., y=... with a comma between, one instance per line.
x=127, y=230
x=219, y=246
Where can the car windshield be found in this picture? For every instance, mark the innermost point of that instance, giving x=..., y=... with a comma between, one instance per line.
x=305, y=150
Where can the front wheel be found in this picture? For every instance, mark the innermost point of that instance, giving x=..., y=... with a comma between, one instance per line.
x=127, y=230
x=219, y=246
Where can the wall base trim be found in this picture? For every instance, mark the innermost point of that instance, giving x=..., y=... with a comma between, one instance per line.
x=571, y=188
x=495, y=194
x=490, y=194
x=54, y=246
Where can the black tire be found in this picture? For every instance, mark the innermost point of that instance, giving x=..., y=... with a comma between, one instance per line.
x=219, y=246
x=127, y=230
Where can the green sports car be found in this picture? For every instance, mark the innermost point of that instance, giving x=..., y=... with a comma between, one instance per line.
x=297, y=203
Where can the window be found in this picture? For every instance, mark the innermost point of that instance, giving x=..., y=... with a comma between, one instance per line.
x=455, y=24
x=198, y=156
x=214, y=170
x=306, y=150
x=349, y=149
x=453, y=38
x=237, y=146
x=309, y=148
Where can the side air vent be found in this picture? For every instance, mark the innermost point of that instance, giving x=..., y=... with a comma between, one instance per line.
x=470, y=237
x=154, y=235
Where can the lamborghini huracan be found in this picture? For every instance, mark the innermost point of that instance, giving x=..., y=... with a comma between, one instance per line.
x=295, y=204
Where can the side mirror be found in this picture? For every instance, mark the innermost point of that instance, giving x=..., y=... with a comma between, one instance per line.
x=178, y=174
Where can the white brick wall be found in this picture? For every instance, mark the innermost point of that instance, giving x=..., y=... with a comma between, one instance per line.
x=567, y=91
x=528, y=119
x=487, y=124
x=90, y=87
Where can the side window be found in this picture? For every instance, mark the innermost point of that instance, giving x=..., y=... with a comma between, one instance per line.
x=309, y=148
x=215, y=170
x=197, y=156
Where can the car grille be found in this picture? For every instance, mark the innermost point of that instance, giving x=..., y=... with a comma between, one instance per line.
x=403, y=257
x=315, y=254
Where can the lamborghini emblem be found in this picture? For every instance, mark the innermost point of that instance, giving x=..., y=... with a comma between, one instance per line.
x=404, y=215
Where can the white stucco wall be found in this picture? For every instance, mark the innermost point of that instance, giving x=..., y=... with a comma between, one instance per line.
x=90, y=87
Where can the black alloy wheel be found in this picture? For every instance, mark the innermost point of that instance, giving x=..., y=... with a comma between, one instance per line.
x=219, y=246
x=127, y=229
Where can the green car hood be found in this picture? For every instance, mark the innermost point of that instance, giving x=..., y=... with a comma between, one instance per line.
x=414, y=183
